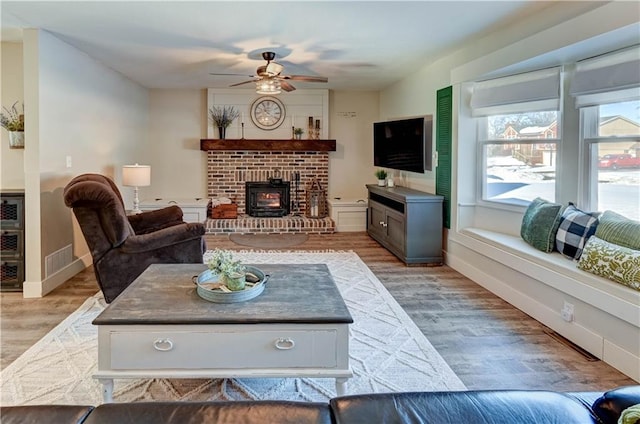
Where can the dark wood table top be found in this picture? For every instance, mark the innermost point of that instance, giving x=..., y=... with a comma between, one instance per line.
x=165, y=294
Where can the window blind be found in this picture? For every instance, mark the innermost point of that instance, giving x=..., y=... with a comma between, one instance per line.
x=613, y=77
x=528, y=92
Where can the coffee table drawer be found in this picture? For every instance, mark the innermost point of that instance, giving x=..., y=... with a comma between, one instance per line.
x=146, y=350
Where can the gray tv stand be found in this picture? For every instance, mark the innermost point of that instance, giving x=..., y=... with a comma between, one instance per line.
x=407, y=222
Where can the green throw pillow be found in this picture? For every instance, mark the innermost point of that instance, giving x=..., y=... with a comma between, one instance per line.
x=540, y=224
x=620, y=230
x=611, y=261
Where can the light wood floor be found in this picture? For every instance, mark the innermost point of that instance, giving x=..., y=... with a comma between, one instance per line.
x=487, y=342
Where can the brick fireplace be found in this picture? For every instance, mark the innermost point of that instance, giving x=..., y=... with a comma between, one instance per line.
x=229, y=170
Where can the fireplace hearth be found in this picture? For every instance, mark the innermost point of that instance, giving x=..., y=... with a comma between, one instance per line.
x=267, y=198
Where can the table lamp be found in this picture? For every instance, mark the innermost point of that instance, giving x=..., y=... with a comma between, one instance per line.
x=136, y=176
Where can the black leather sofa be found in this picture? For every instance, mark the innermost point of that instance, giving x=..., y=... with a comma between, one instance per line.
x=473, y=407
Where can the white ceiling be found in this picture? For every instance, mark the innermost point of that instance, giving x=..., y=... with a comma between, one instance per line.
x=358, y=45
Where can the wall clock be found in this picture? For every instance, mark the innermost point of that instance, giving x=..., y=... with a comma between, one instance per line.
x=267, y=113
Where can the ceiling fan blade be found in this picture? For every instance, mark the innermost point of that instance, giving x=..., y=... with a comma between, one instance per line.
x=286, y=86
x=307, y=78
x=241, y=83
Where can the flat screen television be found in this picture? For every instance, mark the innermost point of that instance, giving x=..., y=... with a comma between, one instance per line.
x=403, y=144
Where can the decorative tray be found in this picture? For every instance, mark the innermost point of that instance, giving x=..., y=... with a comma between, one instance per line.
x=207, y=278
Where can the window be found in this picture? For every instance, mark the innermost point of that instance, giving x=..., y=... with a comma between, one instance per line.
x=612, y=136
x=518, y=130
x=520, y=155
x=607, y=92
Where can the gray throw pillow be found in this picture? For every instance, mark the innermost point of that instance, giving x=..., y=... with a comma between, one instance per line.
x=540, y=224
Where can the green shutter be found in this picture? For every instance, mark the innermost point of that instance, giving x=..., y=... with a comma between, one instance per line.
x=444, y=103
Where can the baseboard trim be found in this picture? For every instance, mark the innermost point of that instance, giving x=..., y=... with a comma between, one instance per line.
x=573, y=331
x=623, y=360
x=33, y=289
x=610, y=353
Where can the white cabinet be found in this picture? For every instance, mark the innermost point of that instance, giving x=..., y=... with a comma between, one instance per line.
x=348, y=215
x=193, y=209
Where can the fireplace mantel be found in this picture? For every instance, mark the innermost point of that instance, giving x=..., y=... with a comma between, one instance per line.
x=268, y=145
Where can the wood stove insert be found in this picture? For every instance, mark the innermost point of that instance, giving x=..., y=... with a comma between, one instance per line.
x=267, y=198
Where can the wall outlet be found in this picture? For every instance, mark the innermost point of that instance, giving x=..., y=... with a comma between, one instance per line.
x=567, y=312
x=69, y=162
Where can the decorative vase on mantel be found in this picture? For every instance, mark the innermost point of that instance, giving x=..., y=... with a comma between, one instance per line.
x=16, y=139
x=222, y=131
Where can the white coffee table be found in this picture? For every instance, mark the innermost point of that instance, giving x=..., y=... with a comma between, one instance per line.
x=160, y=328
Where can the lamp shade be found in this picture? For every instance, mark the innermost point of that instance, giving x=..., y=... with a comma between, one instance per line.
x=136, y=175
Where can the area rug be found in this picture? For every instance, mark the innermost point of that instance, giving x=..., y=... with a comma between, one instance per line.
x=269, y=241
x=388, y=353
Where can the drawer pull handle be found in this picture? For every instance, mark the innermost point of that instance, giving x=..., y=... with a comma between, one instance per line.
x=163, y=345
x=284, y=344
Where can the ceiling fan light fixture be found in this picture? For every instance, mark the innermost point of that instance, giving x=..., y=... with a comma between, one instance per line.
x=273, y=68
x=268, y=78
x=268, y=86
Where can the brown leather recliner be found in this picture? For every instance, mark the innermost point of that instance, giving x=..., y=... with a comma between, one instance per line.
x=122, y=246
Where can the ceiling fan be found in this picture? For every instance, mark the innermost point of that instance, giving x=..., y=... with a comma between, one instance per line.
x=269, y=78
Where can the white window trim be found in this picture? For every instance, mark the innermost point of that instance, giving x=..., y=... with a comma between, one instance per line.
x=481, y=186
x=482, y=161
x=589, y=142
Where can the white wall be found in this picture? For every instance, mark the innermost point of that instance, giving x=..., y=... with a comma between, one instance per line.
x=299, y=106
x=177, y=122
x=74, y=107
x=11, y=160
x=351, y=165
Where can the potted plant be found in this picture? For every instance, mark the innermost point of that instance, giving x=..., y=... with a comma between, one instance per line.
x=231, y=272
x=381, y=174
x=13, y=121
x=298, y=133
x=222, y=117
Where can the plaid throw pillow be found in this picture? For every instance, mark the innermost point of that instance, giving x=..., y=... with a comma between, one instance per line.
x=575, y=228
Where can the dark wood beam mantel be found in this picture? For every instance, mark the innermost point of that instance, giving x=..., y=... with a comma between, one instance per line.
x=268, y=145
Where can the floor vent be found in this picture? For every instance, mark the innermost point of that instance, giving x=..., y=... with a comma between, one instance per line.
x=58, y=260
x=557, y=337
